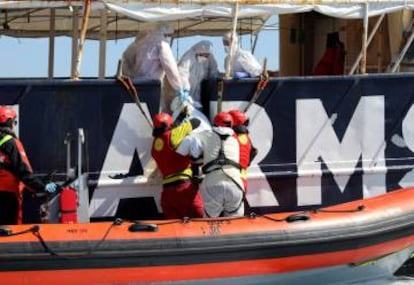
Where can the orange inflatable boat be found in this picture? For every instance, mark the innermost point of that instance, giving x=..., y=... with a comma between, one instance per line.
x=361, y=238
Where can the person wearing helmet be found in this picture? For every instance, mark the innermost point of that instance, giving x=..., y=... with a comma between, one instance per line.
x=180, y=197
x=15, y=170
x=222, y=189
x=242, y=63
x=247, y=150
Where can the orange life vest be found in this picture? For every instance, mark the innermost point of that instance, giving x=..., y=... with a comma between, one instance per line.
x=9, y=182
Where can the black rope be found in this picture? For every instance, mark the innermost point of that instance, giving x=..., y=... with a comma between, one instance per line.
x=47, y=249
x=29, y=230
x=36, y=231
x=117, y=222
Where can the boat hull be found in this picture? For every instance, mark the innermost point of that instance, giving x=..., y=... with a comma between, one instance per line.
x=373, y=235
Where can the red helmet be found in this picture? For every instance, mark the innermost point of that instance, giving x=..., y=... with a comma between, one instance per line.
x=162, y=120
x=239, y=118
x=223, y=119
x=6, y=114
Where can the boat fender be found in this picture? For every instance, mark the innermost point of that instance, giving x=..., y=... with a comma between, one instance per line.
x=297, y=217
x=68, y=206
x=140, y=227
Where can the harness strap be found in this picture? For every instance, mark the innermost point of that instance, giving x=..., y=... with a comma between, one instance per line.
x=221, y=160
x=5, y=139
x=186, y=174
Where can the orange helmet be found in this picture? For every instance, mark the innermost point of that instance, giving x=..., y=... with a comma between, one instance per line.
x=239, y=118
x=162, y=120
x=223, y=119
x=6, y=114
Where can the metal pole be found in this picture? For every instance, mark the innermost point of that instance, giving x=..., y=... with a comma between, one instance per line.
x=83, y=192
x=67, y=142
x=51, y=43
x=371, y=36
x=364, y=40
x=102, y=43
x=81, y=140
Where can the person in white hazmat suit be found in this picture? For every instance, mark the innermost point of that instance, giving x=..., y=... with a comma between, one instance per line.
x=222, y=187
x=242, y=62
x=197, y=64
x=153, y=59
x=129, y=55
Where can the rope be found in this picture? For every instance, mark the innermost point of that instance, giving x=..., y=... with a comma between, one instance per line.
x=299, y=216
x=36, y=232
x=127, y=83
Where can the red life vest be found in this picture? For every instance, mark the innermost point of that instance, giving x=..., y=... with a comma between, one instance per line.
x=245, y=149
x=173, y=166
x=9, y=182
x=245, y=146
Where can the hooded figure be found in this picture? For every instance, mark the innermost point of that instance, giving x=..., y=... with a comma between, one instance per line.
x=196, y=64
x=153, y=58
x=242, y=62
x=128, y=56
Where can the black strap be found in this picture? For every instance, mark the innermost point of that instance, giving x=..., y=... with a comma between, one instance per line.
x=221, y=160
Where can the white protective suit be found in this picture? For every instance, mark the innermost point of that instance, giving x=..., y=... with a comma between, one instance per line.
x=222, y=189
x=129, y=55
x=196, y=64
x=154, y=59
x=242, y=61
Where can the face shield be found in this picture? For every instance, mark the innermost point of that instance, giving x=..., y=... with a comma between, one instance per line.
x=202, y=57
x=166, y=30
x=228, y=41
x=202, y=50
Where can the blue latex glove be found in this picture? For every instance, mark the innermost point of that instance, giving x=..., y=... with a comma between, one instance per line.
x=51, y=187
x=241, y=74
x=183, y=95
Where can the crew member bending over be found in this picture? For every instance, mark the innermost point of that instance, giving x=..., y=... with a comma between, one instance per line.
x=180, y=197
x=222, y=188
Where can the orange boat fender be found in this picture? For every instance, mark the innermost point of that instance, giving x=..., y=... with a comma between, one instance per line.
x=68, y=206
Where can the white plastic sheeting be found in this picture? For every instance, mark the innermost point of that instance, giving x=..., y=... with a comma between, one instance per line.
x=188, y=17
x=170, y=12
